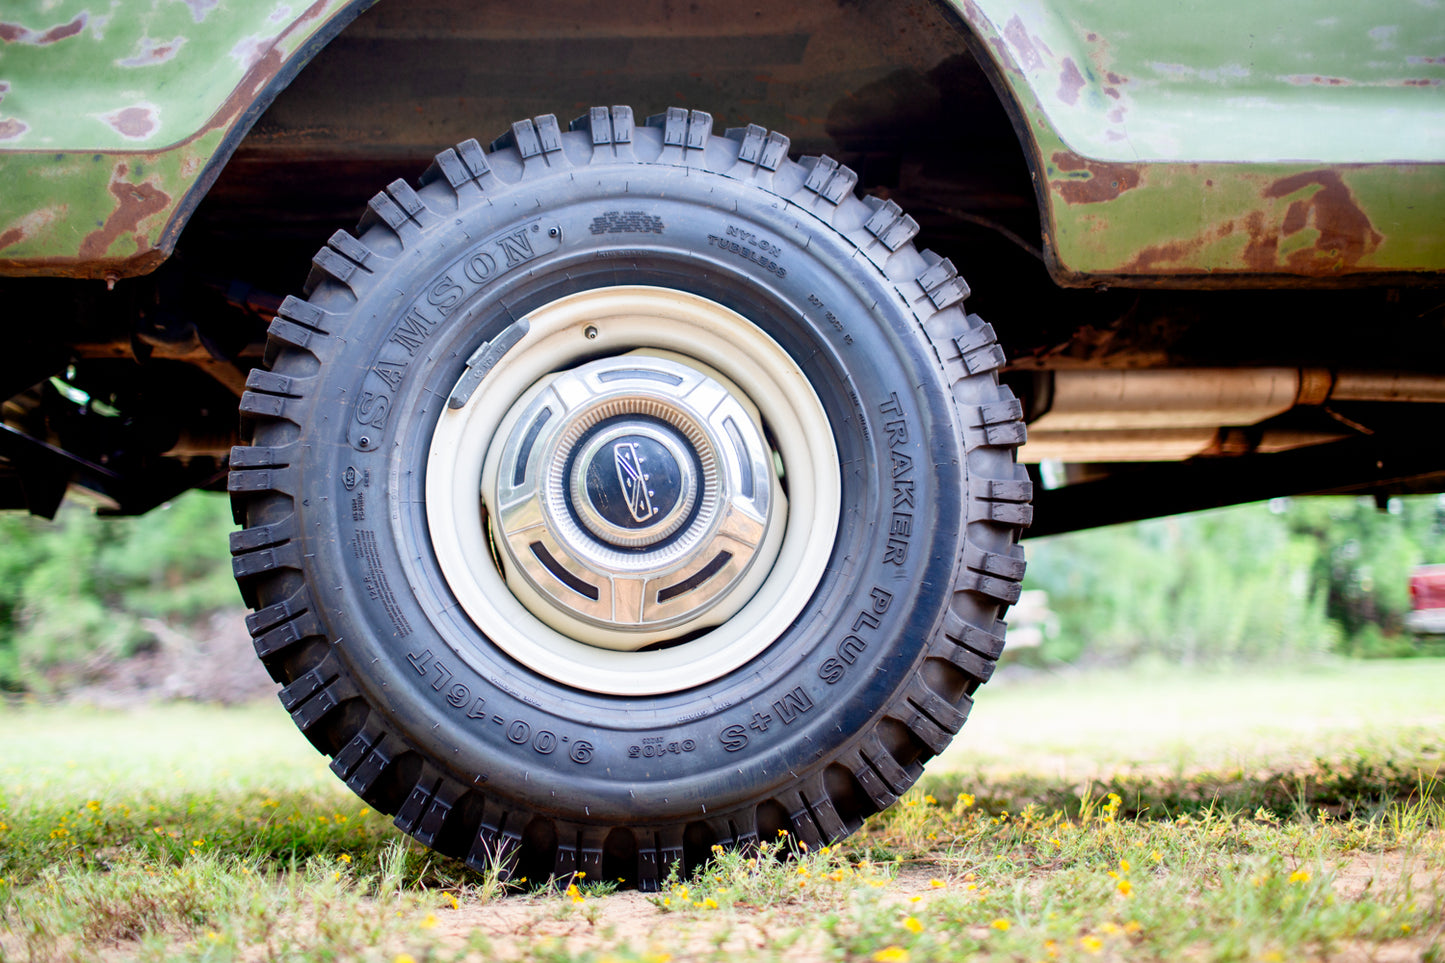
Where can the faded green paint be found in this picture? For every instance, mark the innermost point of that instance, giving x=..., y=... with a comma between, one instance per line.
x=1336, y=81
x=1267, y=139
x=1253, y=219
x=112, y=117
x=1208, y=170
x=137, y=75
x=109, y=217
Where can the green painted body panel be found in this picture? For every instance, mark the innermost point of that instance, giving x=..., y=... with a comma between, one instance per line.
x=1276, y=142
x=137, y=75
x=112, y=123
x=1243, y=141
x=1333, y=81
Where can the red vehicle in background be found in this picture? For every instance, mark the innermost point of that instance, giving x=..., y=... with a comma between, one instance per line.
x=1427, y=600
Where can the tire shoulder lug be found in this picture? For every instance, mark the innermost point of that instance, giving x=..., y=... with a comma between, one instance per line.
x=971, y=637
x=263, y=536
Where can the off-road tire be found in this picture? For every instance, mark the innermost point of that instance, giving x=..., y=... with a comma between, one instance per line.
x=477, y=754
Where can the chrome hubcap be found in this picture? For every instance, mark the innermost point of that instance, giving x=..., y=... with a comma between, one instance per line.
x=650, y=482
x=632, y=492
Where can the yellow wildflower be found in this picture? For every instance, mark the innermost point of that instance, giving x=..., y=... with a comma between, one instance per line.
x=937, y=883
x=1300, y=876
x=429, y=921
x=1157, y=856
x=404, y=958
x=1125, y=887
x=1091, y=945
x=1123, y=866
x=710, y=903
x=912, y=925
x=930, y=800
x=1001, y=924
x=891, y=954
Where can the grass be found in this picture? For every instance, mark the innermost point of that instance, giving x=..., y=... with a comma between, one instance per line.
x=1144, y=815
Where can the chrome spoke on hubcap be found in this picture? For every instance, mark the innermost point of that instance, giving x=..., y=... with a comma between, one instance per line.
x=633, y=492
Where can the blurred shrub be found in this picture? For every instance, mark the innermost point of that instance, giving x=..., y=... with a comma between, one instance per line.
x=73, y=591
x=1266, y=581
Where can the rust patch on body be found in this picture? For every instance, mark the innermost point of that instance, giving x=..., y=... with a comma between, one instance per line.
x=10, y=128
x=1070, y=82
x=1315, y=80
x=1104, y=183
x=151, y=52
x=1345, y=232
x=15, y=33
x=134, y=123
x=1345, y=235
x=30, y=225
x=134, y=203
x=199, y=8
x=1018, y=35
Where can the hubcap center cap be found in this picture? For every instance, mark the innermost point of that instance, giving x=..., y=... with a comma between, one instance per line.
x=634, y=482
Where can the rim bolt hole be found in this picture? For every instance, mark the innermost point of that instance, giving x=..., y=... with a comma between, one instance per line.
x=591, y=333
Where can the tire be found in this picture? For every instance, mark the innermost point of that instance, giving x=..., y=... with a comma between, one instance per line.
x=521, y=708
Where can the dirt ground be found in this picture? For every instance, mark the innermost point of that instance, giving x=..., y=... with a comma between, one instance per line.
x=211, y=662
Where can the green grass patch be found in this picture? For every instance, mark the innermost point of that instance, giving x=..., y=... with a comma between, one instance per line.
x=1158, y=815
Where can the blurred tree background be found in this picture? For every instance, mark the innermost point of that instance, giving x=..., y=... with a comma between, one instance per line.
x=1270, y=581
x=1274, y=580
x=74, y=592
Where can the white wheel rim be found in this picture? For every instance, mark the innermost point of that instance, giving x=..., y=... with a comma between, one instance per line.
x=767, y=599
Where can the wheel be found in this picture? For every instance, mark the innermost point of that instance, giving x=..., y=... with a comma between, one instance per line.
x=625, y=491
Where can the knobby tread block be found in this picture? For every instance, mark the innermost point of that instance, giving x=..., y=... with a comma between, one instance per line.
x=931, y=704
x=648, y=859
x=877, y=756
x=278, y=612
x=261, y=456
x=889, y=225
x=1009, y=566
x=590, y=844
x=287, y=634
x=364, y=759
x=929, y=732
x=830, y=180
x=409, y=814
x=971, y=663
x=494, y=845
x=305, y=314
x=427, y=808
x=497, y=842
x=390, y=213
x=263, y=536
x=255, y=404
x=262, y=561
x=261, y=480
x=673, y=125
x=878, y=792
x=269, y=382
x=971, y=637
